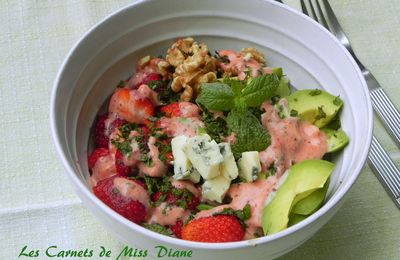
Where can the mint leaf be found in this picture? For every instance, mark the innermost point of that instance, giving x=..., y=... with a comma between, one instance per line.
x=250, y=134
x=216, y=96
x=236, y=85
x=260, y=89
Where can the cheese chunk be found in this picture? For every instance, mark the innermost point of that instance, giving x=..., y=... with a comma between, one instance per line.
x=204, y=155
x=215, y=189
x=182, y=165
x=249, y=166
x=228, y=167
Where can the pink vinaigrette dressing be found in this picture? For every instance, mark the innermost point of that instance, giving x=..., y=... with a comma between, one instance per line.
x=132, y=165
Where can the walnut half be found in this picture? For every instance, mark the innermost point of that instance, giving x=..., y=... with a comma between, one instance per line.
x=193, y=66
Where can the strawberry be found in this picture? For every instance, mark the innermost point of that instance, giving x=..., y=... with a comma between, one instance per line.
x=145, y=79
x=101, y=133
x=122, y=169
x=181, y=109
x=219, y=228
x=101, y=139
x=177, y=228
x=118, y=122
x=151, y=77
x=172, y=109
x=145, y=107
x=111, y=196
x=193, y=203
x=95, y=155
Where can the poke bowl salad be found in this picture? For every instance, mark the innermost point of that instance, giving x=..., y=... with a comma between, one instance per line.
x=214, y=147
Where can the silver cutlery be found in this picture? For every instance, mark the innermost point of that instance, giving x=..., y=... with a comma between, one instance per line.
x=379, y=160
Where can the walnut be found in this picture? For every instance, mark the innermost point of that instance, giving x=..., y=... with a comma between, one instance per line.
x=193, y=66
x=253, y=53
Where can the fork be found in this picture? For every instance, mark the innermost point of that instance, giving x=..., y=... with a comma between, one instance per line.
x=379, y=160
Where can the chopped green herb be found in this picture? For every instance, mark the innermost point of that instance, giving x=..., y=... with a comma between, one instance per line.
x=242, y=215
x=321, y=113
x=281, y=112
x=121, y=84
x=158, y=228
x=294, y=113
x=315, y=92
x=203, y=206
x=337, y=101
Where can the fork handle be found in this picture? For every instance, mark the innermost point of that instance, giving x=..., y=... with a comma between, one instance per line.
x=387, y=112
x=385, y=170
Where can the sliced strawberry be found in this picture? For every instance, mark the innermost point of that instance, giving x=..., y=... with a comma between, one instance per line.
x=220, y=228
x=122, y=169
x=194, y=203
x=141, y=183
x=95, y=155
x=101, y=139
x=156, y=196
x=145, y=106
x=171, y=110
x=118, y=122
x=151, y=77
x=112, y=197
x=177, y=228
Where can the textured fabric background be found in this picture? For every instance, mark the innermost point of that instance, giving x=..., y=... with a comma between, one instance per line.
x=38, y=207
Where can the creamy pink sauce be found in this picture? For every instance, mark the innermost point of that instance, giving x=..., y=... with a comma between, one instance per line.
x=145, y=92
x=253, y=193
x=292, y=141
x=175, y=126
x=132, y=190
x=134, y=157
x=168, y=214
x=188, y=109
x=238, y=63
x=158, y=168
x=103, y=169
x=124, y=102
x=186, y=185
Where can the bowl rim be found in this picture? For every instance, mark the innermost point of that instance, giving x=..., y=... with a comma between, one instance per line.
x=331, y=203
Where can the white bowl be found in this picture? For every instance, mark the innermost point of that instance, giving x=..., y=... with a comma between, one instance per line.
x=309, y=54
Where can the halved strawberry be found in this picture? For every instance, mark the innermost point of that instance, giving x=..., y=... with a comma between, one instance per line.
x=177, y=228
x=151, y=77
x=112, y=197
x=95, y=155
x=145, y=107
x=219, y=228
x=171, y=110
x=101, y=139
x=122, y=169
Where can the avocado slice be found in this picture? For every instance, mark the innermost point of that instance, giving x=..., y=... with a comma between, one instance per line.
x=312, y=202
x=305, y=176
x=278, y=71
x=337, y=139
x=314, y=105
x=295, y=218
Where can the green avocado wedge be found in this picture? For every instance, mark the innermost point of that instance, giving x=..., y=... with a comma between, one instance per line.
x=337, y=139
x=314, y=105
x=295, y=218
x=312, y=202
x=303, y=177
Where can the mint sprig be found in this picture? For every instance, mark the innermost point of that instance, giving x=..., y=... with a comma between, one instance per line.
x=233, y=93
x=216, y=96
x=260, y=89
x=239, y=97
x=250, y=134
